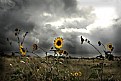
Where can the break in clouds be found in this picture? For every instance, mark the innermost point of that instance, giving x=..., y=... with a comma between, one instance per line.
x=47, y=19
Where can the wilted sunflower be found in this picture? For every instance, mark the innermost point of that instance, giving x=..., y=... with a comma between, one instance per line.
x=22, y=50
x=16, y=29
x=58, y=43
x=109, y=46
x=61, y=52
x=35, y=47
x=99, y=43
x=65, y=52
x=82, y=40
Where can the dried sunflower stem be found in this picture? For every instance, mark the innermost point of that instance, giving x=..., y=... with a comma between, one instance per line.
x=95, y=48
x=23, y=40
x=42, y=49
x=34, y=54
x=103, y=46
x=18, y=41
x=45, y=53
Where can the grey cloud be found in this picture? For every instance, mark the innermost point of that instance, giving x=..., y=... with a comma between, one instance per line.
x=11, y=18
x=117, y=38
x=117, y=5
x=106, y=35
x=98, y=3
x=28, y=16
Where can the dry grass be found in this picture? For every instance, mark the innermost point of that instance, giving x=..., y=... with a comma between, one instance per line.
x=40, y=69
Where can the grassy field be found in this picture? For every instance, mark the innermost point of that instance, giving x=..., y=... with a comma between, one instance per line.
x=58, y=69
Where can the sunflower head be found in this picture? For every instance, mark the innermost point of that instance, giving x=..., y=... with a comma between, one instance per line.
x=82, y=40
x=22, y=50
x=99, y=43
x=16, y=29
x=60, y=52
x=80, y=73
x=35, y=47
x=58, y=43
x=76, y=74
x=65, y=52
x=109, y=46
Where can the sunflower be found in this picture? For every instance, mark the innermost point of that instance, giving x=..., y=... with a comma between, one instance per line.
x=76, y=74
x=80, y=73
x=16, y=29
x=65, y=52
x=35, y=47
x=109, y=46
x=99, y=43
x=22, y=50
x=82, y=40
x=58, y=43
x=72, y=74
x=60, y=52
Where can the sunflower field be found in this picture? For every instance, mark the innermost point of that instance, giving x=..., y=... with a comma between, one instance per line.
x=60, y=66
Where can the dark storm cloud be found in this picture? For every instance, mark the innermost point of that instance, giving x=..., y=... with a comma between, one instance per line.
x=35, y=16
x=73, y=45
x=28, y=16
x=70, y=3
x=70, y=6
x=117, y=27
x=106, y=36
x=117, y=38
x=11, y=17
x=109, y=34
x=46, y=33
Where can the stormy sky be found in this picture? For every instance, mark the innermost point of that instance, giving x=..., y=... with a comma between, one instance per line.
x=47, y=19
